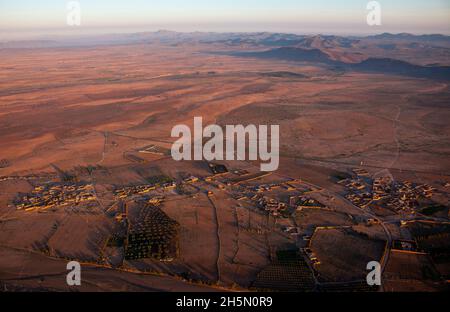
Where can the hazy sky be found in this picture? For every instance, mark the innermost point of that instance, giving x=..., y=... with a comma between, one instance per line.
x=26, y=17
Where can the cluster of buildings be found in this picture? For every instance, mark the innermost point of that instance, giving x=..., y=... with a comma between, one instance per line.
x=285, y=186
x=381, y=188
x=265, y=196
x=191, y=179
x=55, y=195
x=274, y=186
x=363, y=191
x=362, y=200
x=306, y=202
x=142, y=189
x=359, y=190
x=405, y=196
x=28, y=177
x=271, y=205
x=361, y=172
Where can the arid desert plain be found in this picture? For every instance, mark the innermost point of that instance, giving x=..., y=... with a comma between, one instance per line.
x=86, y=172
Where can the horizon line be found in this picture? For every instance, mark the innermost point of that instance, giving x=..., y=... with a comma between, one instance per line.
x=61, y=36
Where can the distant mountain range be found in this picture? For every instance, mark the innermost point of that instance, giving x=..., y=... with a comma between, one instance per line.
x=403, y=54
x=257, y=38
x=410, y=37
x=375, y=65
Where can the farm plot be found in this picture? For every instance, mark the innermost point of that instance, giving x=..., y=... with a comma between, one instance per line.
x=80, y=237
x=289, y=272
x=155, y=236
x=343, y=254
x=434, y=239
x=30, y=231
x=410, y=271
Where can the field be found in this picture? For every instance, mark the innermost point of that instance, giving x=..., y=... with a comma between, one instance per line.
x=289, y=272
x=410, y=272
x=348, y=252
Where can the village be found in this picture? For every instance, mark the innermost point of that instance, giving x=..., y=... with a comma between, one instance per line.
x=398, y=196
x=279, y=199
x=49, y=196
x=299, y=213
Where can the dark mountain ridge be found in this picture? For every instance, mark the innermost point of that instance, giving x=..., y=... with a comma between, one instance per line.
x=236, y=38
x=375, y=65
